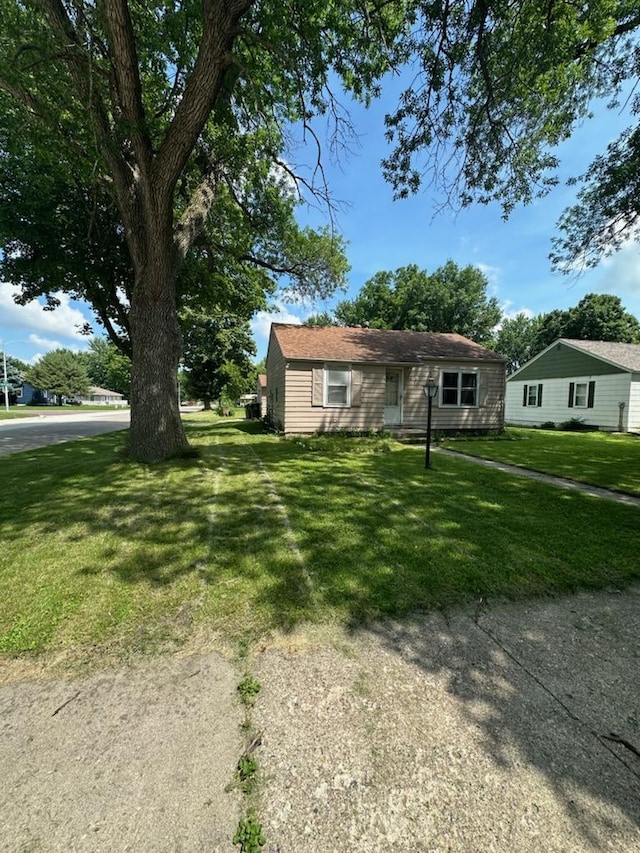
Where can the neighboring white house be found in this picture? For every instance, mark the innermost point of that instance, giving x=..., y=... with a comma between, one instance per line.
x=102, y=397
x=596, y=381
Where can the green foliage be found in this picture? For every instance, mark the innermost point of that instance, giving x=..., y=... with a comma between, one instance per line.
x=451, y=299
x=248, y=689
x=107, y=367
x=217, y=352
x=249, y=835
x=61, y=372
x=597, y=317
x=517, y=340
x=246, y=772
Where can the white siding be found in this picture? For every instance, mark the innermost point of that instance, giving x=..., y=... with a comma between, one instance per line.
x=610, y=390
x=633, y=420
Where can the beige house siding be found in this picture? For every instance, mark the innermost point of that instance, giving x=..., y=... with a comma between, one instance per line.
x=301, y=416
x=488, y=414
x=276, y=370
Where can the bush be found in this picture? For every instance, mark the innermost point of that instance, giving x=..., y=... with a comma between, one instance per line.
x=577, y=425
x=548, y=425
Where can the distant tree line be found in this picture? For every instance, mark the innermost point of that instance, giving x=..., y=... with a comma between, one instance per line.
x=455, y=299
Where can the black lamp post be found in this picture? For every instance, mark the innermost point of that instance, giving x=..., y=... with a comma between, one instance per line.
x=430, y=391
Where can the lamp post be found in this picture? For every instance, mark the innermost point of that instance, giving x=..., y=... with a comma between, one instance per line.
x=430, y=391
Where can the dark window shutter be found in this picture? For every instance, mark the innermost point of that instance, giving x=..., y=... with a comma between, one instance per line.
x=525, y=391
x=317, y=391
x=592, y=394
x=540, y=394
x=572, y=386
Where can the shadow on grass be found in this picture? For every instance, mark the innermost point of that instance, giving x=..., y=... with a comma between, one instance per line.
x=378, y=535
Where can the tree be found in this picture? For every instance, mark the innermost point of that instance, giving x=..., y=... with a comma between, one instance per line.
x=322, y=319
x=167, y=117
x=217, y=356
x=60, y=372
x=597, y=317
x=107, y=367
x=517, y=340
x=14, y=377
x=602, y=317
x=451, y=299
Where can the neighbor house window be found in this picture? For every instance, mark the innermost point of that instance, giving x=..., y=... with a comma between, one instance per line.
x=580, y=399
x=582, y=394
x=532, y=395
x=337, y=386
x=459, y=388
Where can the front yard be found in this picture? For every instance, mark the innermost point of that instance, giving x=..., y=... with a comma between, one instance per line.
x=102, y=556
x=597, y=458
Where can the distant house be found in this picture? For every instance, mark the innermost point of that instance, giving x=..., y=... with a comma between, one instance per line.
x=334, y=378
x=102, y=397
x=596, y=381
x=26, y=395
x=261, y=391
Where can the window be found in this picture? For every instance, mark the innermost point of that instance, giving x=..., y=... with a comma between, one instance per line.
x=337, y=386
x=532, y=395
x=582, y=394
x=459, y=388
x=580, y=399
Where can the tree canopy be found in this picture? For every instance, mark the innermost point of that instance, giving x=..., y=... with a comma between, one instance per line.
x=61, y=372
x=451, y=299
x=596, y=317
x=174, y=127
x=217, y=356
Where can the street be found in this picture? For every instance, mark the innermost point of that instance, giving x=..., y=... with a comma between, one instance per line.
x=40, y=431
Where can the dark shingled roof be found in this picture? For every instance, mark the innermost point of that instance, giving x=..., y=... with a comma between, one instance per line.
x=624, y=355
x=380, y=346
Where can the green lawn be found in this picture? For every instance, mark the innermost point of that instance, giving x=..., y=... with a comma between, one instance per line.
x=33, y=411
x=260, y=532
x=598, y=458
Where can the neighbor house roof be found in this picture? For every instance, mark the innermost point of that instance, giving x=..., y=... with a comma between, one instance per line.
x=383, y=346
x=262, y=380
x=94, y=391
x=622, y=355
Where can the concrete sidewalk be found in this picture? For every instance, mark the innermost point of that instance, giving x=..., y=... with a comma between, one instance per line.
x=514, y=730
x=510, y=729
x=559, y=482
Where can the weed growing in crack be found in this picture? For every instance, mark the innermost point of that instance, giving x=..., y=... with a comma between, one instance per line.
x=248, y=690
x=249, y=835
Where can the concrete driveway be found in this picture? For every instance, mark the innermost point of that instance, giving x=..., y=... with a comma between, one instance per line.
x=43, y=430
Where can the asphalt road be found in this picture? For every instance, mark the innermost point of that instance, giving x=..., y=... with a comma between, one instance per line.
x=29, y=433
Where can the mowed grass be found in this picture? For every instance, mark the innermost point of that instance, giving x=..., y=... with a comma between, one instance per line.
x=262, y=533
x=598, y=458
x=16, y=412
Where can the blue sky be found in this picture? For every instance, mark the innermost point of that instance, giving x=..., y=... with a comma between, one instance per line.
x=384, y=235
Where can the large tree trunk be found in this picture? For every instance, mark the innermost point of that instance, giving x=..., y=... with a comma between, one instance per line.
x=156, y=428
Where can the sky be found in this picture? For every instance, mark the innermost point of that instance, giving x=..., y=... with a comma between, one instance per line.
x=383, y=234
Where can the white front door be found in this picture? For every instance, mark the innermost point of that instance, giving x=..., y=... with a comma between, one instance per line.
x=393, y=398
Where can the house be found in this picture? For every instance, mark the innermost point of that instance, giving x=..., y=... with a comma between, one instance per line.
x=261, y=392
x=596, y=381
x=334, y=378
x=102, y=397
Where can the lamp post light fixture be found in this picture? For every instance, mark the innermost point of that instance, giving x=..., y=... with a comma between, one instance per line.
x=430, y=391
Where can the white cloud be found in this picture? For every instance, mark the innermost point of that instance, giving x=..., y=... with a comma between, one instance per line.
x=621, y=271
x=509, y=312
x=32, y=321
x=261, y=325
